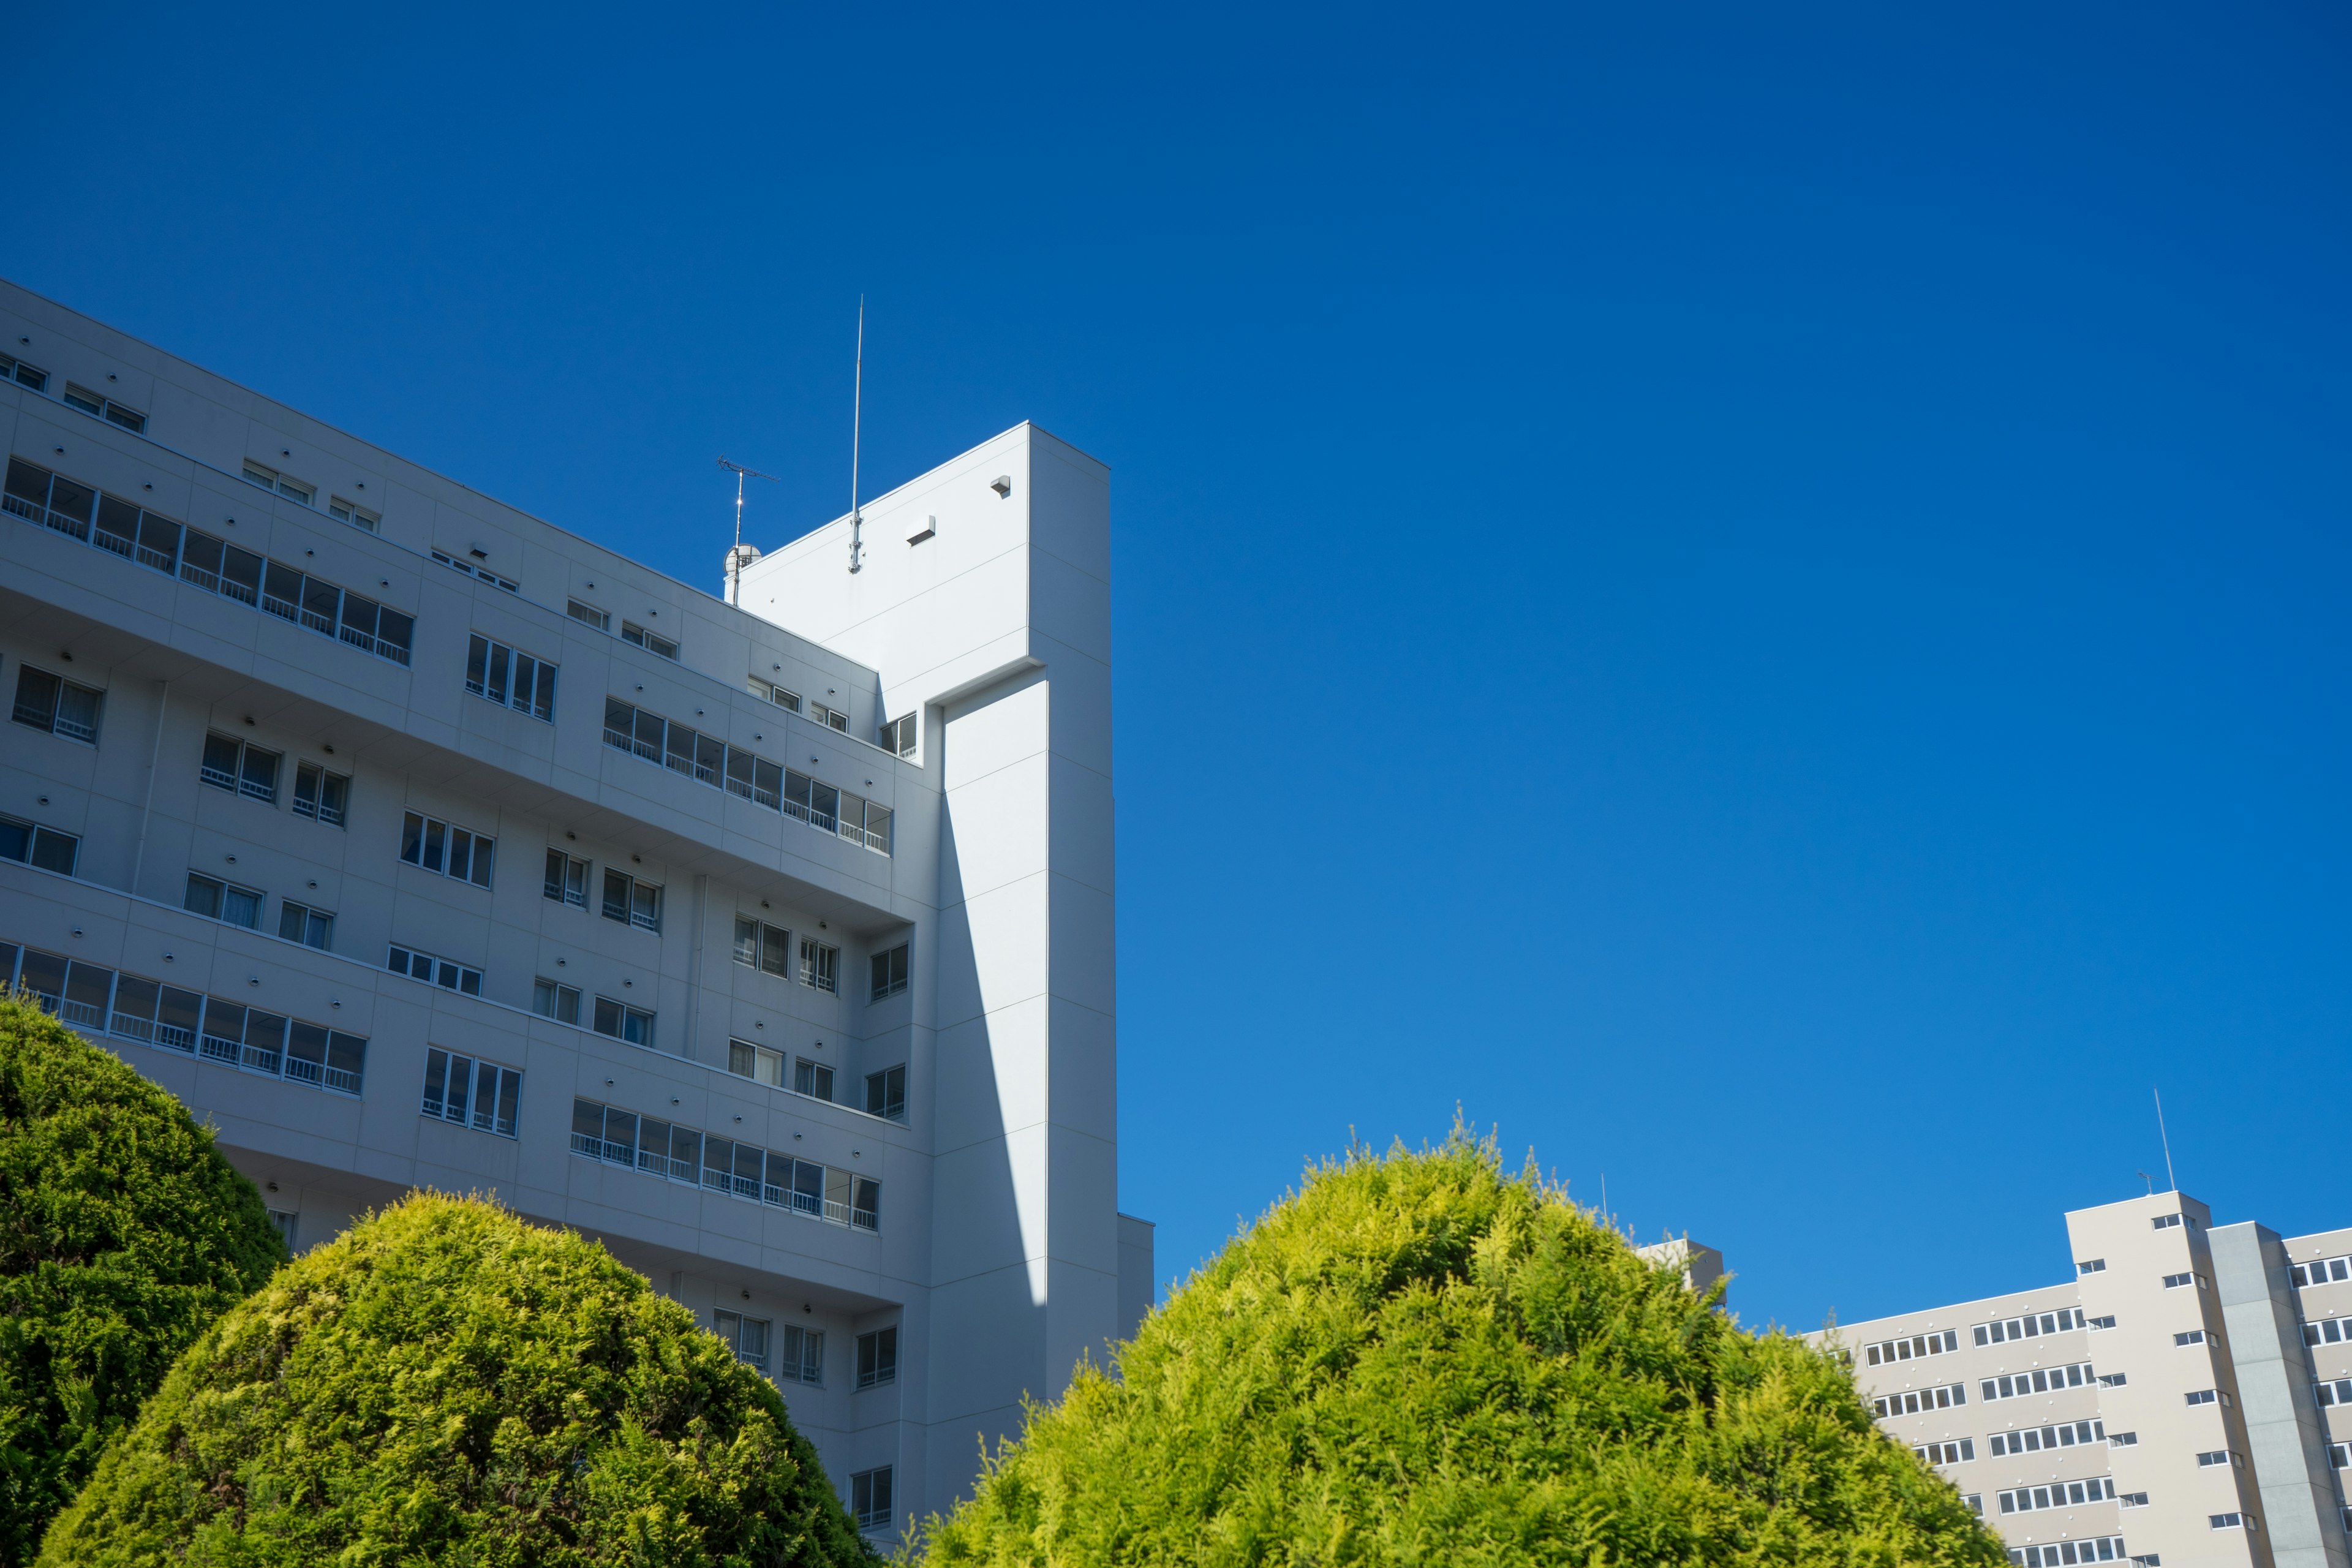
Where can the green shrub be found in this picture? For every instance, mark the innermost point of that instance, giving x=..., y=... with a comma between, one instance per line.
x=124, y=1235
x=1419, y=1360
x=445, y=1384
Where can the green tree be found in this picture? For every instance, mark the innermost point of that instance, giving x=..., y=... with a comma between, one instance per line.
x=446, y=1383
x=1418, y=1359
x=123, y=1234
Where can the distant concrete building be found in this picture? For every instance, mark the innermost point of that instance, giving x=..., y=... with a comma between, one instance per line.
x=2182, y=1401
x=414, y=841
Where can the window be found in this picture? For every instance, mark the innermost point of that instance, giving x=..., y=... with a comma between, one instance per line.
x=2108, y=1322
x=877, y=1358
x=447, y=973
x=168, y=1018
x=17, y=369
x=2229, y=1520
x=231, y=764
x=353, y=513
x=2339, y=1456
x=60, y=707
x=757, y=1063
x=2323, y=1271
x=435, y=845
x=286, y=1223
x=2166, y=1222
x=481, y=1095
x=2094, y=1266
x=1974, y=1503
x=889, y=971
x=2097, y=1548
x=2113, y=1379
x=321, y=795
x=2122, y=1440
x=813, y=1079
x=2040, y=1380
x=588, y=615
x=2193, y=1337
x=2206, y=1461
x=898, y=734
x=886, y=1093
x=2205, y=1397
x=550, y=1000
x=2175, y=1281
x=1917, y=1346
x=706, y=760
x=623, y=1022
x=1959, y=1453
x=631, y=902
x=567, y=879
x=759, y=945
x=820, y=965
x=2327, y=1331
x=869, y=1498
x=269, y=478
x=722, y=1165
x=219, y=901
x=483, y=573
x=768, y=691
x=803, y=1356
x=1912, y=1402
x=300, y=922
x=633, y=633
x=2339, y=1391
x=509, y=678
x=2133, y=1499
x=2060, y=1435
x=32, y=845
x=747, y=1337
x=831, y=716
x=2058, y=1494
x=105, y=407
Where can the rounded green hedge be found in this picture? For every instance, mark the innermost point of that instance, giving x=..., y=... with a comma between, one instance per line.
x=123, y=1234
x=446, y=1383
x=1420, y=1359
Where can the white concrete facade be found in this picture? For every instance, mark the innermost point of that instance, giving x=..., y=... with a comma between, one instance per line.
x=256, y=664
x=2185, y=1400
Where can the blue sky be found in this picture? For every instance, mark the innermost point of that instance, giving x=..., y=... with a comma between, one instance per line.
x=1757, y=601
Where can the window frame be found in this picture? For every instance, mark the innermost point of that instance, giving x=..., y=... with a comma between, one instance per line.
x=877, y=1358
x=310, y=919
x=820, y=966
x=219, y=902
x=323, y=781
x=556, y=883
x=634, y=890
x=37, y=840
x=50, y=722
x=420, y=844
x=495, y=672
x=652, y=641
x=464, y=1108
x=446, y=973
x=555, y=992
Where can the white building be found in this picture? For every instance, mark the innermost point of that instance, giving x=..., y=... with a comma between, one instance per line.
x=2185, y=1400
x=414, y=841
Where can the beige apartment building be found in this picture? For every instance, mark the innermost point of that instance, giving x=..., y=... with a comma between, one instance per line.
x=2180, y=1403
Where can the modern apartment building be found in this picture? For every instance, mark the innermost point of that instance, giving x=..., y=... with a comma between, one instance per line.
x=2185, y=1400
x=414, y=841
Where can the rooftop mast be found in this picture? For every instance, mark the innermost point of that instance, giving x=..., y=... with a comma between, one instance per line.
x=740, y=555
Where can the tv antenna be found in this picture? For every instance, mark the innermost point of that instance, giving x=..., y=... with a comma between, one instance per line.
x=2170, y=1185
x=857, y=416
x=2144, y=1176
x=740, y=555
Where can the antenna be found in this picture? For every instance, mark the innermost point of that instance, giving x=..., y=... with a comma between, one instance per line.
x=2144, y=1176
x=2170, y=1185
x=856, y=418
x=740, y=555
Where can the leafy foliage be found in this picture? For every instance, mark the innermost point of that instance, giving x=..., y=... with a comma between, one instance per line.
x=1419, y=1360
x=123, y=1234
x=445, y=1384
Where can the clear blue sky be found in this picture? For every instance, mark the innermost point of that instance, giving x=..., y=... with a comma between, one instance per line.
x=1760, y=602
